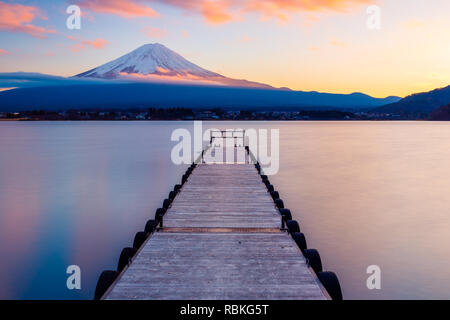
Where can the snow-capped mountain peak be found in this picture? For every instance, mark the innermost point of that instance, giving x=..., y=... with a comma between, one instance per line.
x=148, y=59
x=156, y=62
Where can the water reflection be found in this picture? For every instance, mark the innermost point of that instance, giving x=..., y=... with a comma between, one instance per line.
x=75, y=193
x=364, y=192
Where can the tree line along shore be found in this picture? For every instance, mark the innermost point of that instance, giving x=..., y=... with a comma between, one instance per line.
x=203, y=114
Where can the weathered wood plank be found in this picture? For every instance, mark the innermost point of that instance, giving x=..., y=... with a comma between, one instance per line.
x=223, y=196
x=221, y=240
x=218, y=266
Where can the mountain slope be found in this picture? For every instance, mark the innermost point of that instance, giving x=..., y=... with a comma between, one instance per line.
x=441, y=114
x=419, y=104
x=155, y=62
x=155, y=76
x=148, y=59
x=113, y=94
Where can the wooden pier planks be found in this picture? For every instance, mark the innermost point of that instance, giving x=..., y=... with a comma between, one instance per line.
x=221, y=240
x=236, y=266
x=223, y=196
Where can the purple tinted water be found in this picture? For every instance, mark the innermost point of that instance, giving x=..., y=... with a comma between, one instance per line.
x=365, y=193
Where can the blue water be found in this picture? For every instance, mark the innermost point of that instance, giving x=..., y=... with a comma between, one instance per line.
x=75, y=193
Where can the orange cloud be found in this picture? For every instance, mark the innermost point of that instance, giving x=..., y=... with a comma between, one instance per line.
x=245, y=39
x=272, y=7
x=6, y=89
x=338, y=43
x=97, y=44
x=413, y=24
x=221, y=11
x=162, y=70
x=83, y=44
x=122, y=8
x=49, y=53
x=155, y=32
x=18, y=18
x=168, y=76
x=213, y=11
x=216, y=11
x=281, y=9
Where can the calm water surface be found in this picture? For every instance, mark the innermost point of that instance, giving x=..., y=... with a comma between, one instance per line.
x=365, y=193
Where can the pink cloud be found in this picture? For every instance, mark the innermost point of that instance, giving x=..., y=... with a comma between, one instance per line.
x=168, y=76
x=413, y=24
x=221, y=11
x=273, y=7
x=154, y=32
x=49, y=53
x=213, y=11
x=83, y=44
x=216, y=11
x=6, y=89
x=97, y=44
x=338, y=43
x=122, y=8
x=3, y=52
x=245, y=39
x=18, y=18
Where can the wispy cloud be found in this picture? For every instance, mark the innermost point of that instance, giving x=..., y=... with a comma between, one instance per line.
x=413, y=24
x=6, y=89
x=274, y=7
x=49, y=53
x=19, y=18
x=338, y=43
x=3, y=52
x=222, y=11
x=154, y=32
x=82, y=44
x=219, y=11
x=216, y=11
x=245, y=39
x=213, y=11
x=122, y=8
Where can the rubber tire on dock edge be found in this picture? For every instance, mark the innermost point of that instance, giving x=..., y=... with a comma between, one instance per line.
x=331, y=283
x=314, y=260
x=105, y=280
x=125, y=258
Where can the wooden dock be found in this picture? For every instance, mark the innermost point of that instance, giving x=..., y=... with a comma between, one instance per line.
x=221, y=239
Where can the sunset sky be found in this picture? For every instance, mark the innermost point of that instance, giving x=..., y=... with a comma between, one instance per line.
x=310, y=45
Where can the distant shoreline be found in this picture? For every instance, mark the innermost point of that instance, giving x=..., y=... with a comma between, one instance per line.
x=223, y=120
x=212, y=114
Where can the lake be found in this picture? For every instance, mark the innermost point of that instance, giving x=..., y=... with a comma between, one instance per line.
x=365, y=193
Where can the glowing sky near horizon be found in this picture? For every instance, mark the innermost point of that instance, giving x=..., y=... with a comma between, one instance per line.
x=310, y=45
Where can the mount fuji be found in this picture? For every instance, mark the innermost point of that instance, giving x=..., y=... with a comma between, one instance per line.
x=155, y=76
x=157, y=63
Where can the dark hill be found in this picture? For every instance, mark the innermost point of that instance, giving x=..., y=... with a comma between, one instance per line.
x=132, y=95
x=418, y=105
x=441, y=114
